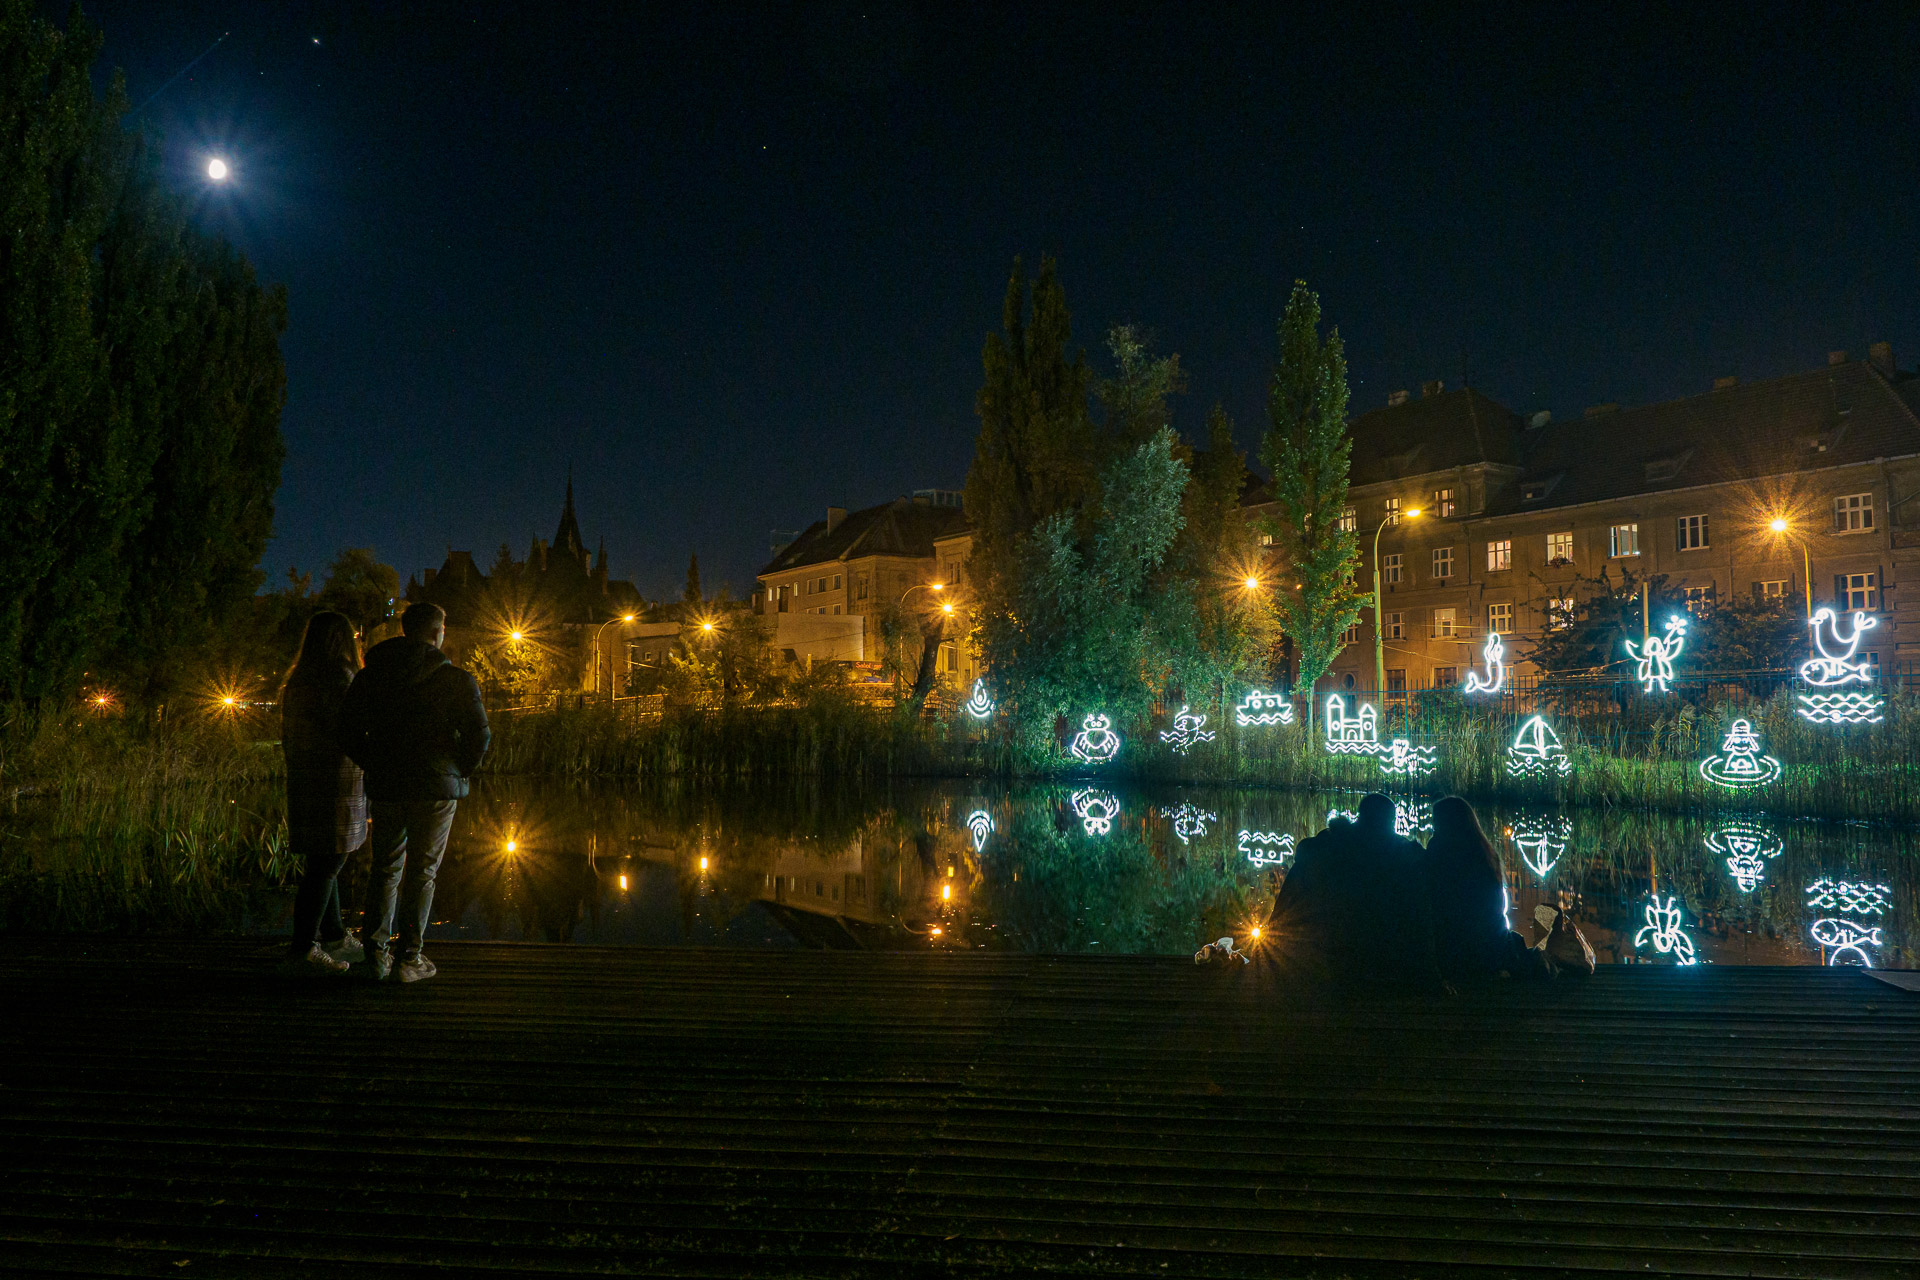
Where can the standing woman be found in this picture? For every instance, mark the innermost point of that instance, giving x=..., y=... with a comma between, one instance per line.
x=326, y=800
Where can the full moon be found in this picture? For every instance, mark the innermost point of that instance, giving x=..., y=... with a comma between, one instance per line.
x=216, y=169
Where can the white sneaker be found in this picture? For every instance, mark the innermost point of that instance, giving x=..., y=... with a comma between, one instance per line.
x=347, y=949
x=315, y=964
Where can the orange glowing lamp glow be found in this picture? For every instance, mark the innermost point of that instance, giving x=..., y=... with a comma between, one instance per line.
x=946, y=893
x=703, y=864
x=623, y=882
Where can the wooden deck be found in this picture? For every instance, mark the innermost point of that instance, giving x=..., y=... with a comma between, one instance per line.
x=171, y=1110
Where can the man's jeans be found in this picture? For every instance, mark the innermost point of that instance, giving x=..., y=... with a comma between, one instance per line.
x=400, y=829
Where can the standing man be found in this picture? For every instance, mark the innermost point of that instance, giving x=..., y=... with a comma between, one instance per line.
x=415, y=723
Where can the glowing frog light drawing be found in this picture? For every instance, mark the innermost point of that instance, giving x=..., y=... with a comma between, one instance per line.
x=1096, y=743
x=980, y=823
x=1264, y=709
x=1848, y=941
x=1189, y=820
x=1266, y=848
x=1096, y=810
x=1838, y=664
x=1848, y=897
x=1654, y=659
x=1746, y=847
x=1536, y=752
x=1541, y=841
x=979, y=706
x=1741, y=767
x=1358, y=734
x=1663, y=930
x=1403, y=758
x=1495, y=655
x=1187, y=730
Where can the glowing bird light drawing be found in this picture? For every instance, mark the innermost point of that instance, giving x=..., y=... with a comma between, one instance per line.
x=1654, y=659
x=1266, y=848
x=1663, y=929
x=1741, y=767
x=1096, y=743
x=980, y=823
x=1264, y=709
x=979, y=706
x=1096, y=810
x=1541, y=841
x=1536, y=752
x=1358, y=734
x=1188, y=729
x=1189, y=820
x=1495, y=655
x=1838, y=664
x=1403, y=758
x=1747, y=848
x=1847, y=939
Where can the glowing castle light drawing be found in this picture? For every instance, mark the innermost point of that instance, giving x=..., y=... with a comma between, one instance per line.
x=1740, y=766
x=1406, y=760
x=1189, y=820
x=1096, y=810
x=1495, y=655
x=1266, y=848
x=1747, y=847
x=1654, y=659
x=1847, y=939
x=1264, y=709
x=1836, y=664
x=979, y=706
x=1187, y=730
x=1096, y=743
x=1358, y=734
x=1536, y=752
x=1541, y=841
x=1663, y=930
x=980, y=823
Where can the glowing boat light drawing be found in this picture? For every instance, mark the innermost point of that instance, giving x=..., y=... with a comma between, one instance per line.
x=1264, y=709
x=1536, y=752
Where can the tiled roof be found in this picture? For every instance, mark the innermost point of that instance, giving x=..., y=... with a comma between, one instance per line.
x=898, y=528
x=1433, y=433
x=1829, y=417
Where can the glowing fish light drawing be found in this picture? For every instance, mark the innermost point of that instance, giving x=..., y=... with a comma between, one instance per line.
x=1358, y=734
x=1187, y=730
x=1746, y=847
x=1848, y=897
x=1096, y=743
x=1266, y=848
x=1741, y=766
x=1541, y=841
x=1835, y=665
x=1264, y=709
x=1654, y=659
x=980, y=823
x=979, y=706
x=1096, y=810
x=1406, y=760
x=1189, y=820
x=1845, y=938
x=1536, y=752
x=1663, y=930
x=1495, y=655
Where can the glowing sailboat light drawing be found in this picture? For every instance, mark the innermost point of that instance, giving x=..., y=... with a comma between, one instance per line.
x=1536, y=752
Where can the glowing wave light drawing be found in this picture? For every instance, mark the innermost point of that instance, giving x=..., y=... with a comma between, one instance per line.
x=1403, y=758
x=1536, y=752
x=1747, y=847
x=1264, y=709
x=1663, y=929
x=1839, y=664
x=979, y=706
x=980, y=823
x=1741, y=767
x=1846, y=938
x=1358, y=734
x=1848, y=897
x=1266, y=848
x=1096, y=810
x=1654, y=660
x=1495, y=655
x=1187, y=730
x=1189, y=820
x=1541, y=841
x=1409, y=819
x=1096, y=743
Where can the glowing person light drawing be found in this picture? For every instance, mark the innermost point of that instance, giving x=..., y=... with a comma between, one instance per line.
x=1266, y=848
x=980, y=823
x=1663, y=930
x=1836, y=664
x=1495, y=655
x=1187, y=730
x=1536, y=752
x=1358, y=734
x=1264, y=709
x=1654, y=660
x=1189, y=820
x=1740, y=767
x=1096, y=743
x=1747, y=848
x=979, y=705
x=1096, y=810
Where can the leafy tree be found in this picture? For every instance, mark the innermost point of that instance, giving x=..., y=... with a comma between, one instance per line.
x=1134, y=402
x=1308, y=449
x=691, y=595
x=361, y=587
x=1750, y=633
x=1606, y=614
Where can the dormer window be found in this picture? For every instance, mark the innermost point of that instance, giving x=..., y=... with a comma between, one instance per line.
x=1537, y=490
x=1663, y=470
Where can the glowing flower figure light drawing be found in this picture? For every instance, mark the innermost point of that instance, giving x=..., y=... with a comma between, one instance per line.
x=980, y=823
x=1358, y=734
x=1838, y=664
x=1189, y=820
x=1663, y=930
x=1741, y=767
x=1848, y=941
x=1747, y=847
x=1187, y=730
x=979, y=705
x=1266, y=848
x=1654, y=659
x=1403, y=758
x=1096, y=743
x=1096, y=810
x=1541, y=841
x=1536, y=752
x=1495, y=655
x=1264, y=709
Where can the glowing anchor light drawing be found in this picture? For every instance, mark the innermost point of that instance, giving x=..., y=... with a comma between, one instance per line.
x=1655, y=658
x=1837, y=664
x=1189, y=820
x=1096, y=743
x=1187, y=730
x=1742, y=766
x=1096, y=810
x=1536, y=752
x=1663, y=930
x=1747, y=848
x=1495, y=655
x=1356, y=735
x=1266, y=848
x=979, y=706
x=1264, y=709
x=980, y=823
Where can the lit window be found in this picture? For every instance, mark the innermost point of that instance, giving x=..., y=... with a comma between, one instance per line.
x=1349, y=520
x=1396, y=626
x=1266, y=539
x=1560, y=612
x=1390, y=568
x=1559, y=549
x=1774, y=590
x=1443, y=562
x=1691, y=533
x=1859, y=590
x=1393, y=511
x=1500, y=618
x=1443, y=623
x=1700, y=601
x=1500, y=555
x=1853, y=513
x=1624, y=540
x=1442, y=503
x=1446, y=677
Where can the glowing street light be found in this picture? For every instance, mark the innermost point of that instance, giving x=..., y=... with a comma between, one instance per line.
x=1251, y=584
x=1781, y=526
x=516, y=636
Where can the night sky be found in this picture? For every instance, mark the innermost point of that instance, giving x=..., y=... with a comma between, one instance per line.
x=737, y=265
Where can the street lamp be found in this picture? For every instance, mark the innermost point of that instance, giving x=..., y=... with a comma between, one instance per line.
x=930, y=586
x=625, y=617
x=1781, y=526
x=1379, y=624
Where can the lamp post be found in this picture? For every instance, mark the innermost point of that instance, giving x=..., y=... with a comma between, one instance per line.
x=627, y=617
x=946, y=611
x=1780, y=526
x=1379, y=623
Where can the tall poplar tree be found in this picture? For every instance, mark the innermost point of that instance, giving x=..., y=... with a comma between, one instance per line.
x=1309, y=450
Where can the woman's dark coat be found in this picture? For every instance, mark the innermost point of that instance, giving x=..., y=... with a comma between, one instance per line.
x=324, y=788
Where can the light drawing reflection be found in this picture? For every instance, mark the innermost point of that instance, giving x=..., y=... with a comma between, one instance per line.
x=980, y=823
x=1746, y=846
x=1663, y=930
x=1266, y=848
x=1189, y=820
x=1849, y=897
x=1096, y=810
x=1541, y=841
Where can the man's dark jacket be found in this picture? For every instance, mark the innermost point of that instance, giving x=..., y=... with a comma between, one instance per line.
x=414, y=722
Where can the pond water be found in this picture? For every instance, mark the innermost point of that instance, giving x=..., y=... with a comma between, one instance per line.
x=1103, y=870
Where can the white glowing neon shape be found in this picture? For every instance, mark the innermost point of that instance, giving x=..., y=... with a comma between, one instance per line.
x=1541, y=841
x=1348, y=814
x=1536, y=752
x=1403, y=758
x=1746, y=847
x=1096, y=810
x=1096, y=743
x=1264, y=709
x=1841, y=708
x=979, y=706
x=1495, y=655
x=1742, y=767
x=1663, y=930
x=1849, y=897
x=1837, y=664
x=1187, y=730
x=1358, y=735
x=1845, y=936
x=1266, y=848
x=1189, y=820
x=1655, y=659
x=1409, y=819
x=980, y=823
